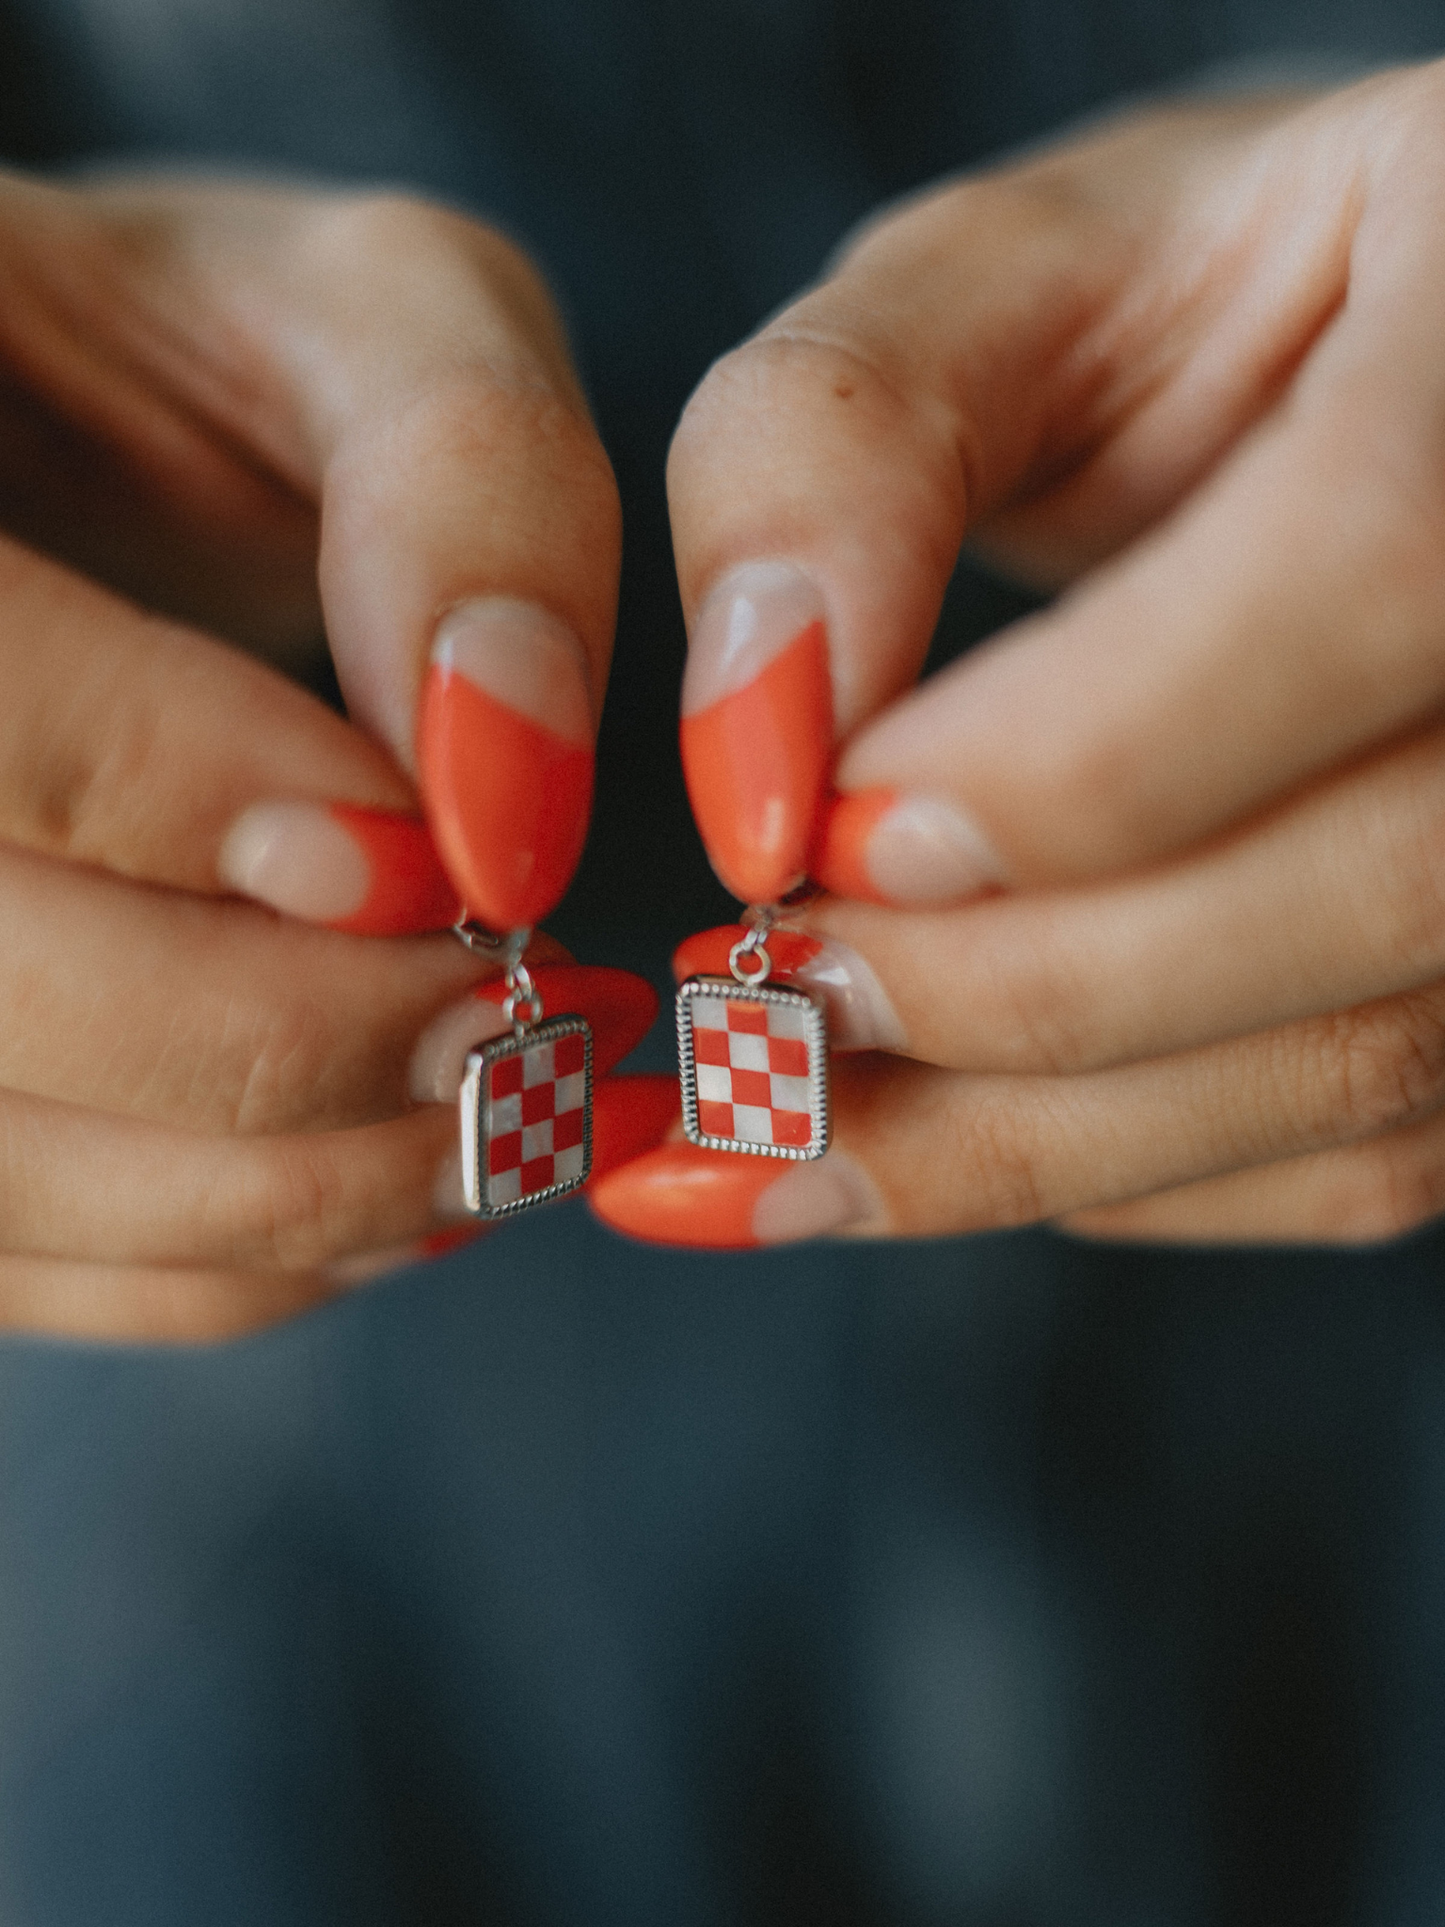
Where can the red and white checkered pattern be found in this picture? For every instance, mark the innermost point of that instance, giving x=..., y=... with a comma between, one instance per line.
x=534, y=1102
x=752, y=1071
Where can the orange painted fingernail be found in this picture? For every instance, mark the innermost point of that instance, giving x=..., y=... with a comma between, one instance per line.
x=706, y=953
x=375, y=873
x=680, y=1195
x=630, y=1115
x=504, y=747
x=846, y=824
x=619, y=1007
x=860, y=1016
x=907, y=850
x=757, y=726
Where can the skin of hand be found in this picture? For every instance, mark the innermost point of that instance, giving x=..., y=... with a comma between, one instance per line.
x=1139, y=909
x=212, y=1114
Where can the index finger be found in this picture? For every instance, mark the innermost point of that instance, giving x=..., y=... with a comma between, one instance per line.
x=1056, y=359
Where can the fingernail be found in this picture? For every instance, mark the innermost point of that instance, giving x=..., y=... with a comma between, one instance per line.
x=373, y=872
x=860, y=1017
x=504, y=745
x=757, y=725
x=680, y=1195
x=630, y=1115
x=814, y=1201
x=906, y=850
x=619, y=1007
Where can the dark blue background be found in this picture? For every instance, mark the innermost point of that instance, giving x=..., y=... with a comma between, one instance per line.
x=996, y=1582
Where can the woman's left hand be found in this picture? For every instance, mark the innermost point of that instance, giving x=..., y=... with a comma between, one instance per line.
x=1145, y=900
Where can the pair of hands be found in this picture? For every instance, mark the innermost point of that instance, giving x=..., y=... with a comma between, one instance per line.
x=1138, y=913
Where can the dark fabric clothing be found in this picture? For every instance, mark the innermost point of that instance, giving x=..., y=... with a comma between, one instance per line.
x=1000, y=1582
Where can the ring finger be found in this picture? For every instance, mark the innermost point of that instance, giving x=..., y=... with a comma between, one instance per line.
x=922, y=1152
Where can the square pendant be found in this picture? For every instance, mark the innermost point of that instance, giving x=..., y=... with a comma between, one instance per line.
x=526, y=1105
x=753, y=1060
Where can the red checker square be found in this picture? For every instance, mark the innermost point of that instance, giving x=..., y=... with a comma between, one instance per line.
x=788, y=1056
x=507, y=1075
x=538, y=1173
x=567, y=1130
x=710, y=1046
x=752, y=1087
x=538, y=1102
x=714, y=1120
x=793, y=1128
x=504, y=1153
x=752, y=1017
x=570, y=1054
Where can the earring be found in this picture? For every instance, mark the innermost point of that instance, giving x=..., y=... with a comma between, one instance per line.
x=525, y=1100
x=753, y=1056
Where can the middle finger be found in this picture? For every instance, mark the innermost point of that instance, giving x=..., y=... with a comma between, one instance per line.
x=1334, y=900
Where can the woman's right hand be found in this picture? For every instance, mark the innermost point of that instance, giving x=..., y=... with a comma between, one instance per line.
x=213, y=397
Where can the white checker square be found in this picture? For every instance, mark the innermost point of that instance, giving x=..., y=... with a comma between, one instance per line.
x=505, y=1187
x=570, y=1167
x=753, y=1122
x=790, y=1093
x=747, y=1051
x=715, y=1083
x=571, y=1092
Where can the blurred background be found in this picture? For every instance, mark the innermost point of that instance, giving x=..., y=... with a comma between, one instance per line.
x=1000, y=1582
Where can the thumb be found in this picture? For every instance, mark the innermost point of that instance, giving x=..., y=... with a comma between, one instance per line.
x=470, y=529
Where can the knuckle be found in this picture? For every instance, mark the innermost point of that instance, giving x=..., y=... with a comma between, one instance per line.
x=288, y=1073
x=800, y=403
x=1385, y=1063
x=389, y=224
x=1042, y=1033
x=296, y=1212
x=95, y=770
x=467, y=423
x=1390, y=1191
x=1004, y=1157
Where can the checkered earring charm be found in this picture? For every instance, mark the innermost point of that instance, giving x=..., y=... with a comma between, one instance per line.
x=526, y=1100
x=753, y=1057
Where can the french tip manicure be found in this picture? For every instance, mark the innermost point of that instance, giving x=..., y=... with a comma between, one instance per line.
x=757, y=725
x=619, y=1006
x=814, y=1201
x=371, y=872
x=715, y=1200
x=747, y=618
x=504, y=746
x=907, y=850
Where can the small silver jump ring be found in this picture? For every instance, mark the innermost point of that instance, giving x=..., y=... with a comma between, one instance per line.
x=753, y=946
x=522, y=1009
x=522, y=1004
